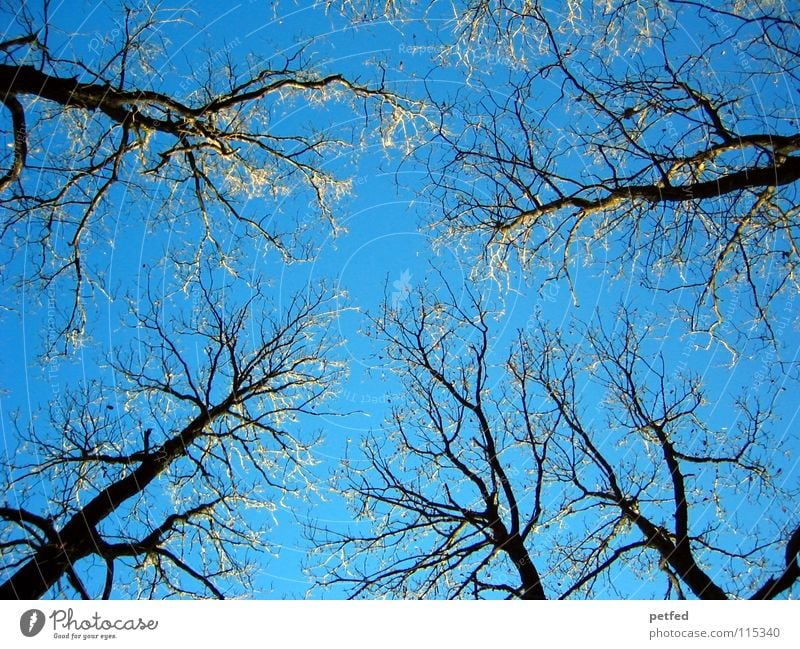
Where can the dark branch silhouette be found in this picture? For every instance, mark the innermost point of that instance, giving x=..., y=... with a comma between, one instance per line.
x=543, y=470
x=631, y=149
x=198, y=151
x=234, y=449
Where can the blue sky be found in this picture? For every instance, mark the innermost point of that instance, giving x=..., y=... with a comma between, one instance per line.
x=386, y=248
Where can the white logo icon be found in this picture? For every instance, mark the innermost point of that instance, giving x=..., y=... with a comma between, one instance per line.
x=31, y=622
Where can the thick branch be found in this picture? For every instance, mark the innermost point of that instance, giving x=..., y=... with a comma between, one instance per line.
x=20, y=140
x=782, y=173
x=19, y=515
x=679, y=557
x=79, y=538
x=125, y=107
x=791, y=574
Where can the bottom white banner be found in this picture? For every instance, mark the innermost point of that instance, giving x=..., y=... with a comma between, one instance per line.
x=398, y=624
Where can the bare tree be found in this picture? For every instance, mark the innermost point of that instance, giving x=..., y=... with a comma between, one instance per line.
x=163, y=480
x=556, y=464
x=159, y=476
x=96, y=121
x=572, y=464
x=657, y=137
